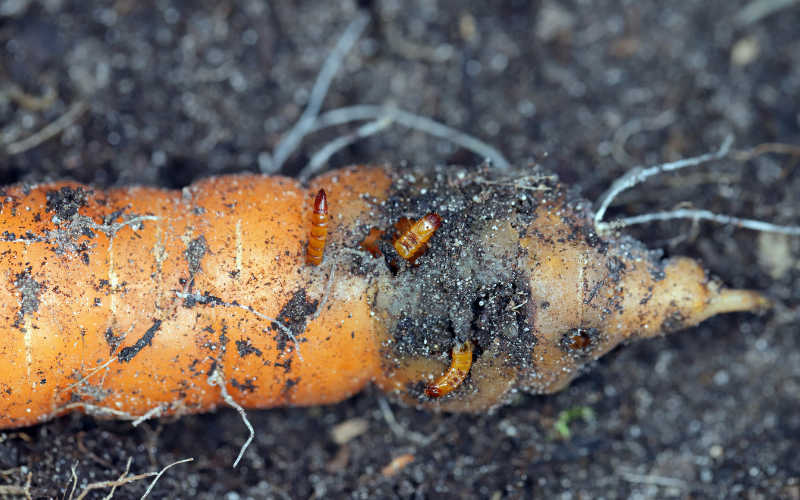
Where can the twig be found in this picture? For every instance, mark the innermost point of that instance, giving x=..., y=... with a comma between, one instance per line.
x=73, y=113
x=696, y=215
x=415, y=122
x=399, y=430
x=216, y=301
x=216, y=379
x=292, y=139
x=327, y=292
x=322, y=156
x=637, y=175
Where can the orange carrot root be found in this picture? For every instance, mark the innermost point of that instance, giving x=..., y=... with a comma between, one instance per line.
x=124, y=303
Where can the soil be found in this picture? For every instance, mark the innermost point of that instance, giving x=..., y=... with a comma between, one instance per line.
x=179, y=90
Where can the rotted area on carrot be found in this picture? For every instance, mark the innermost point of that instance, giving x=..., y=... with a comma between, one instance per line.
x=136, y=301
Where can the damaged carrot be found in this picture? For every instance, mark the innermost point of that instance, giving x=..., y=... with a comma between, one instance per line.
x=137, y=302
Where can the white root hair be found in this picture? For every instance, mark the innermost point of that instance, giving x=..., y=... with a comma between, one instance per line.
x=291, y=140
x=639, y=174
x=217, y=380
x=380, y=116
x=415, y=122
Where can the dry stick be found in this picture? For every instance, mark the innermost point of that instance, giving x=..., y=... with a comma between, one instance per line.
x=292, y=139
x=637, y=175
x=73, y=113
x=696, y=215
x=370, y=112
x=322, y=156
x=203, y=299
x=216, y=379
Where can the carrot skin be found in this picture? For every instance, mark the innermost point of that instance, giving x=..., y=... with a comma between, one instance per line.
x=89, y=342
x=124, y=303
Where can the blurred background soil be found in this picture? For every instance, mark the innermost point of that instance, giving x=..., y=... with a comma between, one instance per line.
x=178, y=90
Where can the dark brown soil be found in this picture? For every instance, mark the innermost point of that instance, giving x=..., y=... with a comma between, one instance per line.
x=179, y=90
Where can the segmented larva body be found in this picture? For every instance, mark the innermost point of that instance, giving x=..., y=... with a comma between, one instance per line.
x=319, y=229
x=455, y=375
x=419, y=234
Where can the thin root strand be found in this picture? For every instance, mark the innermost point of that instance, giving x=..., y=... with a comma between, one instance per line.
x=216, y=379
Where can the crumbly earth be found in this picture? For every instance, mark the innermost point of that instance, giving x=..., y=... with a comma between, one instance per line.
x=183, y=90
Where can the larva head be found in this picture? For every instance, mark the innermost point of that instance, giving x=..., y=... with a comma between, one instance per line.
x=321, y=203
x=517, y=268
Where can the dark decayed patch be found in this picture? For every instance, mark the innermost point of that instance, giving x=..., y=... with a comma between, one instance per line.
x=469, y=284
x=657, y=274
x=205, y=299
x=112, y=340
x=294, y=316
x=194, y=253
x=66, y=202
x=245, y=387
x=245, y=347
x=28, y=290
x=289, y=385
x=675, y=322
x=128, y=353
x=615, y=267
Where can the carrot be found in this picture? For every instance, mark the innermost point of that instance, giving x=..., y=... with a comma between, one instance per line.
x=136, y=302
